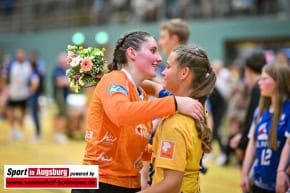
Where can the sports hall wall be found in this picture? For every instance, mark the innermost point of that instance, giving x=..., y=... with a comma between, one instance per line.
x=211, y=35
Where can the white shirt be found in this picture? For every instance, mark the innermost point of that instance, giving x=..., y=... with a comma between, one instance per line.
x=19, y=78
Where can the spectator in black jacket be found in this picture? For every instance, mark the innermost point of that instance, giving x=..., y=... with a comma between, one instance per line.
x=254, y=64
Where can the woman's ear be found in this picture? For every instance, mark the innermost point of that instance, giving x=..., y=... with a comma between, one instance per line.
x=175, y=39
x=185, y=72
x=131, y=53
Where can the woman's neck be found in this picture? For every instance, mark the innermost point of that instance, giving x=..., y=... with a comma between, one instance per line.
x=184, y=90
x=271, y=108
x=133, y=75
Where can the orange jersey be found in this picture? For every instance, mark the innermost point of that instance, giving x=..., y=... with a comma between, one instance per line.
x=119, y=127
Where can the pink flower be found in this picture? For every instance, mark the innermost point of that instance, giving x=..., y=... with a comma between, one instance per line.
x=86, y=65
x=70, y=54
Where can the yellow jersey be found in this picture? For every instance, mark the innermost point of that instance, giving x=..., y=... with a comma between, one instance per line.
x=176, y=146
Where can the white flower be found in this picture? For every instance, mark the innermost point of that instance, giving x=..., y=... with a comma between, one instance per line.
x=75, y=61
x=67, y=71
x=99, y=53
x=71, y=84
x=70, y=53
x=70, y=47
x=81, y=82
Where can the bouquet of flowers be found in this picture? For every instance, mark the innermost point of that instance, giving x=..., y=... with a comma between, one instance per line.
x=87, y=65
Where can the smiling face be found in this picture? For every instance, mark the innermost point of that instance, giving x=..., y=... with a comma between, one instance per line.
x=147, y=58
x=267, y=85
x=172, y=74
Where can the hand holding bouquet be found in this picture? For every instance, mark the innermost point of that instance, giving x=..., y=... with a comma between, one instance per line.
x=87, y=65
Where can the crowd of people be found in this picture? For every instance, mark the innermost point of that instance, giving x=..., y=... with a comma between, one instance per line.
x=92, y=12
x=24, y=94
x=21, y=83
x=171, y=109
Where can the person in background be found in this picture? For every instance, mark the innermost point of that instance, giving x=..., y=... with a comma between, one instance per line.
x=61, y=90
x=34, y=83
x=269, y=136
x=180, y=140
x=172, y=33
x=119, y=117
x=237, y=104
x=253, y=68
x=18, y=73
x=40, y=66
x=3, y=88
x=281, y=57
x=218, y=101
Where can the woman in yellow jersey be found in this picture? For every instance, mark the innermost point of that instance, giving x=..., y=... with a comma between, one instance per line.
x=180, y=140
x=119, y=117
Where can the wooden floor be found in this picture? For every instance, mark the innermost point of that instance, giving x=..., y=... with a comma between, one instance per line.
x=47, y=152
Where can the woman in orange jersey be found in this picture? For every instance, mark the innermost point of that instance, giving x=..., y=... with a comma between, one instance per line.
x=180, y=140
x=119, y=116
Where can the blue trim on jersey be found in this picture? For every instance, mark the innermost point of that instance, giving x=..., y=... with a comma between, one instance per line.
x=164, y=93
x=117, y=88
x=265, y=169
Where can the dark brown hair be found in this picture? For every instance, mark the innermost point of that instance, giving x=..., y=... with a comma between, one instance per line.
x=132, y=39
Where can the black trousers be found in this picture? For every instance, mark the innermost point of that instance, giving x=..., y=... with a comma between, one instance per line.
x=257, y=189
x=218, y=106
x=107, y=188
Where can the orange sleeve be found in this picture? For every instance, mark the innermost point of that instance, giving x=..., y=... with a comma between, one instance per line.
x=122, y=111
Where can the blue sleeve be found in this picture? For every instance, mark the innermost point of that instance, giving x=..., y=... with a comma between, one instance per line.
x=57, y=72
x=164, y=93
x=208, y=106
x=255, y=116
x=287, y=131
x=8, y=68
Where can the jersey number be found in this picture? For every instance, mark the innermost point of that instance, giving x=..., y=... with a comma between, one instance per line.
x=265, y=158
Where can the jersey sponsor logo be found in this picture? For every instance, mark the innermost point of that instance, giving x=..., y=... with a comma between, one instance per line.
x=104, y=158
x=262, y=132
x=117, y=88
x=283, y=116
x=167, y=149
x=283, y=119
x=108, y=138
x=287, y=134
x=263, y=143
x=143, y=131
